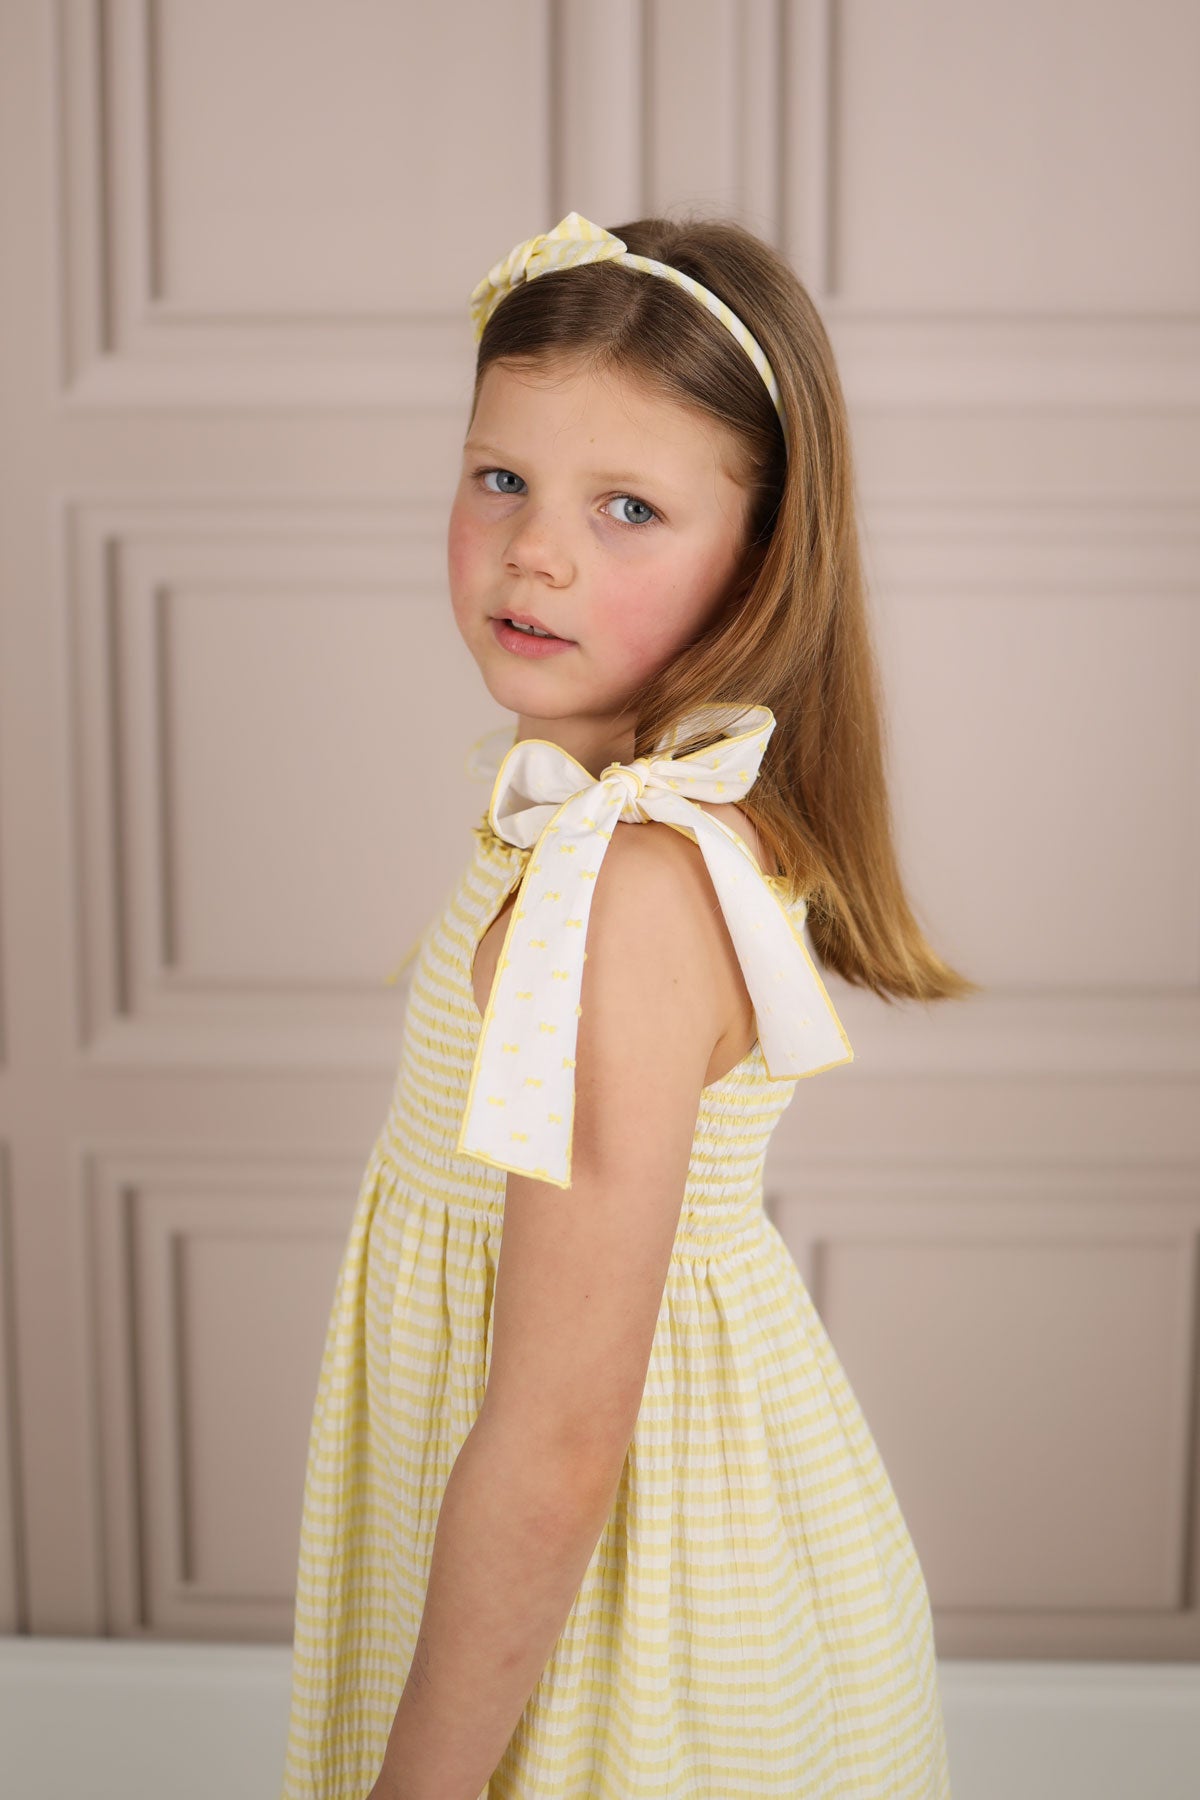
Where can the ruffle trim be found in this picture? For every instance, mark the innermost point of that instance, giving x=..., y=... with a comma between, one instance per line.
x=492, y=840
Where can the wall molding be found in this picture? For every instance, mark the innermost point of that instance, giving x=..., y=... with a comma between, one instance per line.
x=1037, y=1211
x=121, y=562
x=122, y=345
x=135, y=1011
x=137, y=1209
x=761, y=140
x=13, y=1610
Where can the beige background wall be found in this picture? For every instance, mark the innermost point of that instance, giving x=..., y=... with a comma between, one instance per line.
x=237, y=240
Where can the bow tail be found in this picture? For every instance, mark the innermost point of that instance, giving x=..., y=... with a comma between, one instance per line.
x=520, y=1110
x=798, y=1030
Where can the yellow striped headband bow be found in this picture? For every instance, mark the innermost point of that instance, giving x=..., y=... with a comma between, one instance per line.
x=574, y=241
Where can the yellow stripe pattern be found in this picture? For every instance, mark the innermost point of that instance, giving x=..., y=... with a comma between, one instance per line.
x=753, y=1621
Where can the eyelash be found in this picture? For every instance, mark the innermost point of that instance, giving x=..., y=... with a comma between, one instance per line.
x=625, y=524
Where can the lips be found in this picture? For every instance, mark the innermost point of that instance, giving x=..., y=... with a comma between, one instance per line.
x=519, y=618
x=527, y=644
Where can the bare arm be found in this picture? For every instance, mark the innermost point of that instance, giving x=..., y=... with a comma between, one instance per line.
x=514, y=1538
x=578, y=1292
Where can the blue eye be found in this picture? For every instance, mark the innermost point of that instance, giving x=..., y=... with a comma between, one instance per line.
x=639, y=506
x=503, y=476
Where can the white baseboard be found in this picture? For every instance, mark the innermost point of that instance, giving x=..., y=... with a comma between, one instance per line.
x=1072, y=1731
x=103, y=1719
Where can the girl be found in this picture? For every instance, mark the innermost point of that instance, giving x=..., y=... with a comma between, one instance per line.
x=591, y=1510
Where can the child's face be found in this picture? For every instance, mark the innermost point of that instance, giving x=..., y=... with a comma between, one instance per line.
x=608, y=513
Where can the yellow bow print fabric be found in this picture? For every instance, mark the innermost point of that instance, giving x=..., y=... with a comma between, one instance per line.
x=521, y=1102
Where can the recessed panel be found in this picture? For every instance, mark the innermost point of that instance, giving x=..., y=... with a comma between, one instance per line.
x=234, y=1267
x=1040, y=157
x=364, y=158
x=273, y=795
x=247, y=1380
x=1046, y=779
x=301, y=770
x=1050, y=1381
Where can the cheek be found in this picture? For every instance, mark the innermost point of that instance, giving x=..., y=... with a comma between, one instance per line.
x=650, y=616
x=629, y=618
x=464, y=545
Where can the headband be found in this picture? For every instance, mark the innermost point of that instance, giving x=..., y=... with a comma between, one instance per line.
x=574, y=241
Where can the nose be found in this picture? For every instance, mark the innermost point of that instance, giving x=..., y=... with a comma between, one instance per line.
x=537, y=549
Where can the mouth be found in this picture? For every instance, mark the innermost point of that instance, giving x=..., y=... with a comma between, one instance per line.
x=528, y=626
x=523, y=640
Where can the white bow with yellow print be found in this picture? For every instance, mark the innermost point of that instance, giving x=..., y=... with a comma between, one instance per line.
x=521, y=1102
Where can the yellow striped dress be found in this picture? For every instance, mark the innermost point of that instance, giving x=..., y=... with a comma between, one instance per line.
x=753, y=1621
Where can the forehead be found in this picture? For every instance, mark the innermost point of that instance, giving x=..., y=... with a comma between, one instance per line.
x=587, y=412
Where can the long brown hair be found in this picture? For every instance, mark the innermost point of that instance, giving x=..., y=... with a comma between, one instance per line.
x=793, y=633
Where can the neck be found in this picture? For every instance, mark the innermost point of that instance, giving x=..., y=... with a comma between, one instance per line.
x=593, y=740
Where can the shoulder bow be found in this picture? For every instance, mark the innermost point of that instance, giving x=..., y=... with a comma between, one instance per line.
x=521, y=1102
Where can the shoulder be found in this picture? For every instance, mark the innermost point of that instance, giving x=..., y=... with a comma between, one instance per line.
x=652, y=1007
x=653, y=859
x=657, y=931
x=741, y=823
x=654, y=906
x=662, y=854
